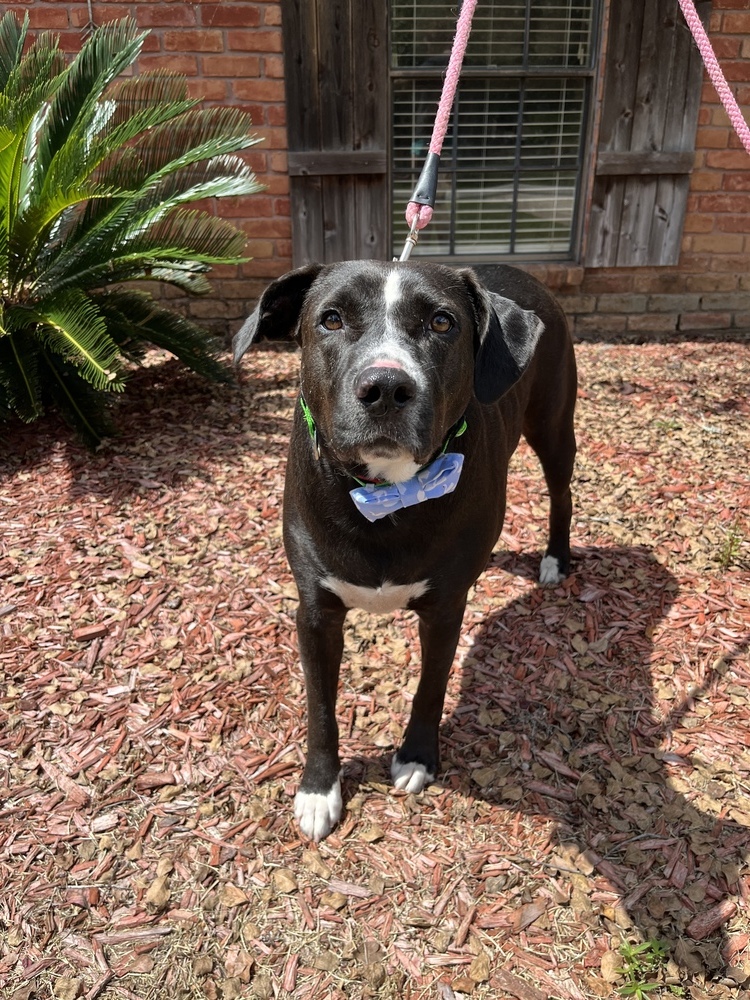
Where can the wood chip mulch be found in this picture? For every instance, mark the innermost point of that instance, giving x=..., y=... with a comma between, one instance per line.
x=596, y=742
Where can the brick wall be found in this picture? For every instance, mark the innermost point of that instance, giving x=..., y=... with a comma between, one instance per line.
x=231, y=54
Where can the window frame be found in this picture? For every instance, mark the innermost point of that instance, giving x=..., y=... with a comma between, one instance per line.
x=584, y=165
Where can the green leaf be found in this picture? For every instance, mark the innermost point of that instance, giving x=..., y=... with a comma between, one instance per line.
x=135, y=316
x=73, y=327
x=82, y=407
x=105, y=54
x=12, y=36
x=19, y=375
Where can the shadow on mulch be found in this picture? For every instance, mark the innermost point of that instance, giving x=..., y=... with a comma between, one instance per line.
x=153, y=446
x=577, y=731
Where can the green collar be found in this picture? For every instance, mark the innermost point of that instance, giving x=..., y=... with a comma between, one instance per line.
x=456, y=431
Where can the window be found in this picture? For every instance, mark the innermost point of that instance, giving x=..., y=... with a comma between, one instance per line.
x=510, y=170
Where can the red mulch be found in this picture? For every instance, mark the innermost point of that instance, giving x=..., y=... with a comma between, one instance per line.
x=596, y=741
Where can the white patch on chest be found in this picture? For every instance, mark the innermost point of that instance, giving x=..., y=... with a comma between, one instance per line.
x=378, y=600
x=392, y=470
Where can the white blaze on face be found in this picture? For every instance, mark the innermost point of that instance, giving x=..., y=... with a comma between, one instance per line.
x=390, y=351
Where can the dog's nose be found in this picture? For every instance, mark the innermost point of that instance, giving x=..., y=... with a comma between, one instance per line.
x=382, y=389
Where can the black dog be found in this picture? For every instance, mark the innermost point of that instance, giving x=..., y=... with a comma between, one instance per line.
x=416, y=384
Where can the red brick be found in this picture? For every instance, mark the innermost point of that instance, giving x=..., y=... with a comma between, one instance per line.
x=712, y=138
x=172, y=16
x=728, y=159
x=257, y=161
x=276, y=184
x=705, y=321
x=187, y=65
x=272, y=14
x=259, y=248
x=194, y=41
x=225, y=15
x=659, y=281
x=276, y=114
x=737, y=182
x=696, y=222
x=596, y=281
x=79, y=15
x=720, y=243
x=270, y=268
x=254, y=41
x=213, y=91
x=600, y=324
x=736, y=264
x=48, y=17
x=736, y=22
x=267, y=228
x=651, y=323
x=233, y=66
x=256, y=112
x=723, y=202
x=726, y=48
x=273, y=66
x=273, y=138
x=259, y=89
x=706, y=181
x=711, y=282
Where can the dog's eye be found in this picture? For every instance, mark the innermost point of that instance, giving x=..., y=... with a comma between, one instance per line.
x=332, y=320
x=441, y=323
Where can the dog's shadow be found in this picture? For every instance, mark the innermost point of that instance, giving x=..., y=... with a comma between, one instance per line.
x=568, y=709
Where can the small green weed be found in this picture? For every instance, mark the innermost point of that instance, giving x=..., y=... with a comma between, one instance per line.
x=730, y=547
x=641, y=962
x=670, y=424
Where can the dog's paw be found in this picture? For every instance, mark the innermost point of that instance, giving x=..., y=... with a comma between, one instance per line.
x=409, y=776
x=317, y=813
x=549, y=572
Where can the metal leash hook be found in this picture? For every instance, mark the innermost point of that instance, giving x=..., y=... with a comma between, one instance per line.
x=411, y=240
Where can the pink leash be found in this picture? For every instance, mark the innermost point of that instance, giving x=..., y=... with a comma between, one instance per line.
x=419, y=210
x=714, y=71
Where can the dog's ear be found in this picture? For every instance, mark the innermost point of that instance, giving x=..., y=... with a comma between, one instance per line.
x=505, y=338
x=277, y=313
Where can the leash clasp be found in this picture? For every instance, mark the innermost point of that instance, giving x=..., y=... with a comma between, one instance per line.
x=411, y=240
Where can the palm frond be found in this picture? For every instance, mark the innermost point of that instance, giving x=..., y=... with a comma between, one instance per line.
x=72, y=326
x=103, y=56
x=82, y=407
x=134, y=316
x=187, y=240
x=39, y=71
x=12, y=37
x=147, y=90
x=19, y=375
x=199, y=134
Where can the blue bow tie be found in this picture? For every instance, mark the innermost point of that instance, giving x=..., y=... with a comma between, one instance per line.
x=435, y=480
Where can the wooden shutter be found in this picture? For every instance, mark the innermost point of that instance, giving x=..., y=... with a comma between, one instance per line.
x=336, y=75
x=652, y=90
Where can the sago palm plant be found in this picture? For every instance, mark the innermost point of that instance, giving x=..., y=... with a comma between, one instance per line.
x=95, y=177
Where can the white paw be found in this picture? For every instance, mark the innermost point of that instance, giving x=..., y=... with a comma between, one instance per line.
x=549, y=571
x=317, y=813
x=410, y=777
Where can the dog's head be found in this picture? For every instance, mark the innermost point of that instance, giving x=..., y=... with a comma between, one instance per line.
x=392, y=353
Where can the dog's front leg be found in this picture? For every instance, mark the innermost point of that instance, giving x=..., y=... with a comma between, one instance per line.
x=417, y=761
x=317, y=804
